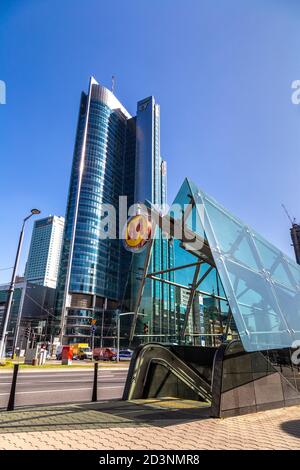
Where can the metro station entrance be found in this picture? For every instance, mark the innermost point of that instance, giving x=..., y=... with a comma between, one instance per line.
x=227, y=379
x=223, y=319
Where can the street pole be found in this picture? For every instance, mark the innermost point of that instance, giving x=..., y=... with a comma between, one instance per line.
x=104, y=307
x=12, y=285
x=11, y=293
x=118, y=337
x=18, y=324
x=93, y=338
x=28, y=340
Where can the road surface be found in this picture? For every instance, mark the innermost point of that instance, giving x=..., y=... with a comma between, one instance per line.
x=66, y=386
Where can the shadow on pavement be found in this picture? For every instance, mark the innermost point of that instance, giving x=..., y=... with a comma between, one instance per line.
x=292, y=427
x=104, y=414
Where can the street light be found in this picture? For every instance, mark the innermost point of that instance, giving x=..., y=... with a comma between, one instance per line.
x=12, y=284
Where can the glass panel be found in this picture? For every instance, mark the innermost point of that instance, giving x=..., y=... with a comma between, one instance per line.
x=289, y=302
x=295, y=271
x=231, y=237
x=273, y=261
x=194, y=222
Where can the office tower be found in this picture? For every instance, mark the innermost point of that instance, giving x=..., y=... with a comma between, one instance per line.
x=151, y=185
x=45, y=251
x=115, y=155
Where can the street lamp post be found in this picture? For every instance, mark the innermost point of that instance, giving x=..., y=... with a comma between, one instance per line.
x=12, y=284
x=18, y=324
x=104, y=308
x=118, y=336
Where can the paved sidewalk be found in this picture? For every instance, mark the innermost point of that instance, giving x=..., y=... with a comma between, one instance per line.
x=157, y=426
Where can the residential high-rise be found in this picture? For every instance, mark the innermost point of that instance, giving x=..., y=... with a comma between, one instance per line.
x=115, y=155
x=45, y=250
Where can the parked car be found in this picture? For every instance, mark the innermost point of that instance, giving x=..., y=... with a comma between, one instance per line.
x=125, y=355
x=104, y=354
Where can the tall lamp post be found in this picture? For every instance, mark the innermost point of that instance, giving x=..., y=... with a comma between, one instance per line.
x=12, y=285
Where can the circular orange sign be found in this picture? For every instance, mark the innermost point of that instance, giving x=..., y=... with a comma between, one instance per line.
x=137, y=233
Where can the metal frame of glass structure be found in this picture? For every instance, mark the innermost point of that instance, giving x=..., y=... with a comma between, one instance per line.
x=240, y=358
x=259, y=284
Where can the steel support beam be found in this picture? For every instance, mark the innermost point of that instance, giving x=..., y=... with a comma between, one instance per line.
x=182, y=286
x=141, y=288
x=204, y=276
x=191, y=299
x=176, y=268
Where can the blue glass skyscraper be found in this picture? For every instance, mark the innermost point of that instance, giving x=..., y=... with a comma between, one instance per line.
x=115, y=155
x=151, y=185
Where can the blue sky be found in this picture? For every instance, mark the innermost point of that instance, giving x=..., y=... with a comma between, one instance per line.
x=222, y=72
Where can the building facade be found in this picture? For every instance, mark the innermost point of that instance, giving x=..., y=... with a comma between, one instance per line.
x=32, y=309
x=151, y=186
x=45, y=251
x=115, y=155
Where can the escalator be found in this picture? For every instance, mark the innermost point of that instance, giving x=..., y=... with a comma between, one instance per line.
x=229, y=379
x=158, y=370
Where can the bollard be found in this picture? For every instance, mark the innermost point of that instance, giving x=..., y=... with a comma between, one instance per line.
x=94, y=395
x=11, y=401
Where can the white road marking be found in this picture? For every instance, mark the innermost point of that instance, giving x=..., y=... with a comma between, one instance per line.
x=63, y=390
x=52, y=376
x=60, y=381
x=67, y=371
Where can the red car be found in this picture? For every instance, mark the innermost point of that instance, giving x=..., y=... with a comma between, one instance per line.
x=104, y=354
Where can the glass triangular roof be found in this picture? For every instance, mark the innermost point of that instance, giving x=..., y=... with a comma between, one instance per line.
x=262, y=284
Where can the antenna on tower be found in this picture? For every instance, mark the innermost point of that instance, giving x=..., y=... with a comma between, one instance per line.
x=113, y=81
x=293, y=221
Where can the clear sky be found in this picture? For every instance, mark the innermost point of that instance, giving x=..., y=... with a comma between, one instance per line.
x=222, y=72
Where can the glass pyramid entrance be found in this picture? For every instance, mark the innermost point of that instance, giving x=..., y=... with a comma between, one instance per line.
x=257, y=284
